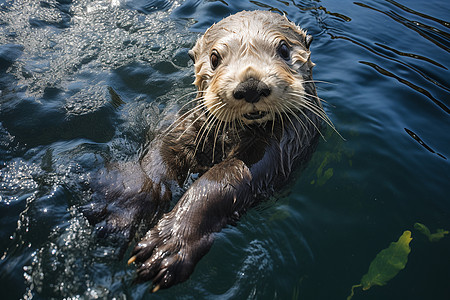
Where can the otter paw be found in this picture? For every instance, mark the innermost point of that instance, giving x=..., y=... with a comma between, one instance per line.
x=166, y=257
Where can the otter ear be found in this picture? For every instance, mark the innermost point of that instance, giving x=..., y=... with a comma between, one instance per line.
x=308, y=40
x=191, y=55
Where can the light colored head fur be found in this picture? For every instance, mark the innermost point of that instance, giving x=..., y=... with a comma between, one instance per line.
x=247, y=45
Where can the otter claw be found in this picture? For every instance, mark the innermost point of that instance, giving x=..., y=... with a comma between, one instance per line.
x=131, y=260
x=156, y=288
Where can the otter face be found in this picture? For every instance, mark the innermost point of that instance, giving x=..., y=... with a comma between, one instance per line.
x=253, y=66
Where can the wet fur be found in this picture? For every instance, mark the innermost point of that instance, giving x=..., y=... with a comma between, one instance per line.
x=238, y=164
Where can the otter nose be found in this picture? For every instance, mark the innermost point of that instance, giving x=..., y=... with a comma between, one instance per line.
x=251, y=90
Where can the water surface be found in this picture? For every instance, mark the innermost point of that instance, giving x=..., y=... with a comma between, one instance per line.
x=385, y=79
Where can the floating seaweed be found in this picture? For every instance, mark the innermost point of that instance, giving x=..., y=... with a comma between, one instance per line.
x=432, y=237
x=386, y=264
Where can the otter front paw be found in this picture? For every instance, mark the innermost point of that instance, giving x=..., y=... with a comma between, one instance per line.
x=167, y=256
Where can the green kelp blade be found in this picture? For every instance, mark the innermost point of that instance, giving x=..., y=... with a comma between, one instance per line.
x=388, y=262
x=353, y=291
x=439, y=234
x=422, y=229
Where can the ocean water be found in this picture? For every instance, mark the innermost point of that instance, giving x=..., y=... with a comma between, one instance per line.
x=383, y=72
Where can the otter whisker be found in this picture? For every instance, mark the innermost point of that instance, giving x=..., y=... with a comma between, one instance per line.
x=199, y=108
x=292, y=123
x=311, y=121
x=179, y=119
x=188, y=94
x=216, y=133
x=302, y=124
x=201, y=115
x=272, y=111
x=321, y=114
x=224, y=132
x=233, y=120
x=303, y=93
x=215, y=119
x=190, y=101
x=318, y=110
x=220, y=117
x=301, y=106
x=281, y=119
x=314, y=97
x=242, y=124
x=212, y=124
x=311, y=106
x=196, y=99
x=202, y=132
x=205, y=125
x=316, y=81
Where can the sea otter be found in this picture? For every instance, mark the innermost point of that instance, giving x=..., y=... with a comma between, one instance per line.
x=256, y=115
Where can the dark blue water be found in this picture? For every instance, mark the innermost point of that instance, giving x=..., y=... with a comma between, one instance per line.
x=385, y=72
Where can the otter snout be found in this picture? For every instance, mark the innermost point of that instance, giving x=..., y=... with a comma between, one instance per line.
x=251, y=90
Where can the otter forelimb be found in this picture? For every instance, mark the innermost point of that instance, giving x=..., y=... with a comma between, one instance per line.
x=169, y=252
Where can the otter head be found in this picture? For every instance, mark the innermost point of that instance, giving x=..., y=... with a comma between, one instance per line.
x=252, y=66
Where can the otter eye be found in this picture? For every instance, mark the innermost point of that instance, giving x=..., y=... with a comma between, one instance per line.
x=284, y=52
x=215, y=59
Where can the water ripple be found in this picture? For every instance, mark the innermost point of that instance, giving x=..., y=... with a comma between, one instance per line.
x=408, y=83
x=425, y=16
x=438, y=37
x=415, y=56
x=98, y=35
x=422, y=143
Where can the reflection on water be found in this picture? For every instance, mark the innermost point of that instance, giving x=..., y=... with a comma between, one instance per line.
x=415, y=26
x=83, y=38
x=83, y=83
x=415, y=56
x=422, y=143
x=431, y=33
x=410, y=84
